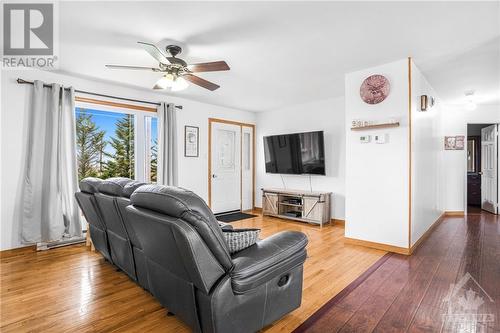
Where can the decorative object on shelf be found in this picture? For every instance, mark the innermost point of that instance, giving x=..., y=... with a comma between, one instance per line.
x=426, y=102
x=374, y=89
x=191, y=141
x=358, y=124
x=454, y=142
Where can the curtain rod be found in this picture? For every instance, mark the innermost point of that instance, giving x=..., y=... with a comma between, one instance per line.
x=21, y=81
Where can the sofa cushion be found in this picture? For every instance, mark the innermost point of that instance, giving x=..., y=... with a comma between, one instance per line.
x=186, y=205
x=114, y=186
x=239, y=239
x=90, y=184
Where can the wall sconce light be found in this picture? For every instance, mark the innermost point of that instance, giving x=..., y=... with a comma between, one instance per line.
x=426, y=102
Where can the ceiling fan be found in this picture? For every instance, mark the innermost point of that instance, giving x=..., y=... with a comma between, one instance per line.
x=176, y=72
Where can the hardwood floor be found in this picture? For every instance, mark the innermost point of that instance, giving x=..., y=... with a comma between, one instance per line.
x=74, y=289
x=407, y=294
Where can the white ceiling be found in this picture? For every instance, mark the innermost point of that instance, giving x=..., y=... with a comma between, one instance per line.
x=285, y=53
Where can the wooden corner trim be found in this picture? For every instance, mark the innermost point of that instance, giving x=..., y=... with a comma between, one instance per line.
x=17, y=251
x=338, y=222
x=427, y=233
x=378, y=246
x=454, y=213
x=410, y=170
x=257, y=209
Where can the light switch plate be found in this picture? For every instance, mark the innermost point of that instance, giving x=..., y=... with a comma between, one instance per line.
x=380, y=138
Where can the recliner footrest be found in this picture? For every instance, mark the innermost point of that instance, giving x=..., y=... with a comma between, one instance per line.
x=268, y=259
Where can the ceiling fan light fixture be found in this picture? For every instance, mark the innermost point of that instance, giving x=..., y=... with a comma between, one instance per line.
x=171, y=82
x=179, y=84
x=163, y=83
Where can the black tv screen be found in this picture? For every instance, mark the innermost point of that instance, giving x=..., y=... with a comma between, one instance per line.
x=297, y=153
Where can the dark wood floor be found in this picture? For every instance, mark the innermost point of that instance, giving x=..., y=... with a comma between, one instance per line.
x=407, y=294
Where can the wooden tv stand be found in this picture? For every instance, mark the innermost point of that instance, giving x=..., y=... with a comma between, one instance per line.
x=304, y=206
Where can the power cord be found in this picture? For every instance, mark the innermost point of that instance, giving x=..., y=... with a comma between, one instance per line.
x=283, y=181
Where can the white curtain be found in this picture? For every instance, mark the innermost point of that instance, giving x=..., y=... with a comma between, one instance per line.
x=167, y=145
x=49, y=209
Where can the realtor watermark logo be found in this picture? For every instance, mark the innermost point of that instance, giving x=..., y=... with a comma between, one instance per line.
x=467, y=307
x=28, y=35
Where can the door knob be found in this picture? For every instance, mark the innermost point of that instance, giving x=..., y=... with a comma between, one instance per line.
x=214, y=176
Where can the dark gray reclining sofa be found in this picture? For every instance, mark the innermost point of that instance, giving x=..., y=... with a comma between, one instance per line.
x=103, y=203
x=191, y=272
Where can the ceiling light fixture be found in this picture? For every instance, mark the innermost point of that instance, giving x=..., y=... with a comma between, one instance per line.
x=171, y=82
x=470, y=104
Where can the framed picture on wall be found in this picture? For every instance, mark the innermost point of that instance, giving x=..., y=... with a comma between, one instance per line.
x=454, y=142
x=191, y=141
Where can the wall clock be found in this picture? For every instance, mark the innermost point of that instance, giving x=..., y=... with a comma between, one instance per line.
x=374, y=89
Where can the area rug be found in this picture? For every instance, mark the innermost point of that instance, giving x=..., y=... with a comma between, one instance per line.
x=232, y=217
x=325, y=309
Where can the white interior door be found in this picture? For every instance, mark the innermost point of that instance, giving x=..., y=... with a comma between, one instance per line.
x=247, y=168
x=226, y=167
x=489, y=168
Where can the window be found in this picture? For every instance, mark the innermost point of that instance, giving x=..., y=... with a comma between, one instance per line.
x=115, y=143
x=246, y=151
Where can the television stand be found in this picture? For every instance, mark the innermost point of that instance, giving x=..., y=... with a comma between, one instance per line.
x=304, y=206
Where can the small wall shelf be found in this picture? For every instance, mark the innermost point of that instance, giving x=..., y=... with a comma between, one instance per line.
x=387, y=125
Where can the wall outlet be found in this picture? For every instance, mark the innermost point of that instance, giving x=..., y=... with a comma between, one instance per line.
x=365, y=138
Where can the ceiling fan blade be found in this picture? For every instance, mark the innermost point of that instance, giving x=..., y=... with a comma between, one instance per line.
x=133, y=68
x=209, y=67
x=155, y=52
x=201, y=82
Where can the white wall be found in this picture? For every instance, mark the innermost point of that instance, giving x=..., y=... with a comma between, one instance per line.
x=14, y=97
x=426, y=159
x=455, y=120
x=377, y=181
x=326, y=115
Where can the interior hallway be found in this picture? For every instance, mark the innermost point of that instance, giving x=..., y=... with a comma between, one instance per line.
x=407, y=294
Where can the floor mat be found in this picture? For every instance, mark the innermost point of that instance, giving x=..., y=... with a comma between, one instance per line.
x=233, y=217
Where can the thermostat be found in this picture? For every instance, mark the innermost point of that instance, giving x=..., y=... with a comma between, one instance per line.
x=365, y=138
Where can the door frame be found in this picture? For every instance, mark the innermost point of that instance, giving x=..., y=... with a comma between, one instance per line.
x=241, y=124
x=465, y=161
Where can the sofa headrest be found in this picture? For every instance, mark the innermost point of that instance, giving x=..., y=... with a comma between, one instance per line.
x=169, y=200
x=187, y=206
x=90, y=184
x=113, y=186
x=131, y=187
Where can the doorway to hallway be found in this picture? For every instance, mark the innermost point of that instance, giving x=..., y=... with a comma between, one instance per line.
x=482, y=167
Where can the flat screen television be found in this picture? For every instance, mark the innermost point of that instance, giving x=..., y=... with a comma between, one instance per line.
x=297, y=153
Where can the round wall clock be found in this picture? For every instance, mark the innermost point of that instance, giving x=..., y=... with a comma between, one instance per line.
x=374, y=89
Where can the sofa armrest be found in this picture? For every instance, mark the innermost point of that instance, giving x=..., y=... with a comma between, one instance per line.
x=225, y=226
x=267, y=259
